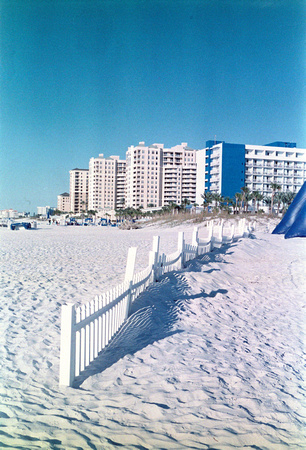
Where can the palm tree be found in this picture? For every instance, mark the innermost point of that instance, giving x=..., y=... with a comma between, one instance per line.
x=207, y=199
x=248, y=197
x=83, y=203
x=287, y=198
x=217, y=199
x=267, y=201
x=275, y=187
x=279, y=197
x=238, y=201
x=185, y=203
x=257, y=197
x=82, y=215
x=290, y=197
x=172, y=207
x=92, y=212
x=245, y=197
x=227, y=200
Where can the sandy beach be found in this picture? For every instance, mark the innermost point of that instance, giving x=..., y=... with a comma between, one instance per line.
x=212, y=356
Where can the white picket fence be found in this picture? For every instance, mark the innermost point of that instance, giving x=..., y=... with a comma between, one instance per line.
x=88, y=329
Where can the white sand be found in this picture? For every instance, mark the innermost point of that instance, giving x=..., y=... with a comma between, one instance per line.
x=211, y=358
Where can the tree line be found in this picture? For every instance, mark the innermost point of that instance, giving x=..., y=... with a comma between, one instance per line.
x=242, y=199
x=211, y=200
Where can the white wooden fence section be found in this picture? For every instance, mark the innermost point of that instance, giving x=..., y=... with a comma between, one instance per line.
x=86, y=330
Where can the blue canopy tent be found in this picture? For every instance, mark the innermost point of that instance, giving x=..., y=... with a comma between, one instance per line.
x=293, y=224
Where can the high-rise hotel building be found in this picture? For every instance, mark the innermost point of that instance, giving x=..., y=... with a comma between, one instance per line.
x=229, y=167
x=64, y=202
x=157, y=176
x=78, y=190
x=280, y=163
x=144, y=175
x=106, y=183
x=179, y=174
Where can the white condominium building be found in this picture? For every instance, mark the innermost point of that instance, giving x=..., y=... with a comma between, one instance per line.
x=106, y=183
x=266, y=164
x=120, y=183
x=143, y=175
x=78, y=190
x=229, y=167
x=201, y=175
x=63, y=202
x=8, y=214
x=179, y=174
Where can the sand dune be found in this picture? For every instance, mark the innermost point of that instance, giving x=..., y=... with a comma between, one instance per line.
x=211, y=357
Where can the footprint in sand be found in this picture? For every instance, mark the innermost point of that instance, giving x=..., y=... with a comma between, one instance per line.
x=35, y=364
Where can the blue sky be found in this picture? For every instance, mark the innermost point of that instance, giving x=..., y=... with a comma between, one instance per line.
x=84, y=77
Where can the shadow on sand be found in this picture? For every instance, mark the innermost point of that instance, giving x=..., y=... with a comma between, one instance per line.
x=154, y=314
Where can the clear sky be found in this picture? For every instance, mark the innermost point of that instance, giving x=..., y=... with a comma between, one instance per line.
x=83, y=77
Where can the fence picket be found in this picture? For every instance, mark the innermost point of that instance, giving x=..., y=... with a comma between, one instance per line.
x=110, y=317
x=100, y=325
x=67, y=361
x=103, y=322
x=87, y=337
x=78, y=344
x=96, y=329
x=83, y=338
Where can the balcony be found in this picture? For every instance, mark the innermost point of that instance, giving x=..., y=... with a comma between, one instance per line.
x=215, y=162
x=214, y=171
x=257, y=186
x=268, y=179
x=214, y=179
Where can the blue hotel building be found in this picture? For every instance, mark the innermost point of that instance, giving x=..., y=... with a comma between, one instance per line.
x=229, y=167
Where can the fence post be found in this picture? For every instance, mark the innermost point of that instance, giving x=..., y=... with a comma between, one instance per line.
x=180, y=248
x=232, y=232
x=163, y=262
x=151, y=264
x=246, y=230
x=195, y=240
x=129, y=274
x=221, y=230
x=210, y=235
x=241, y=227
x=155, y=250
x=67, y=352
